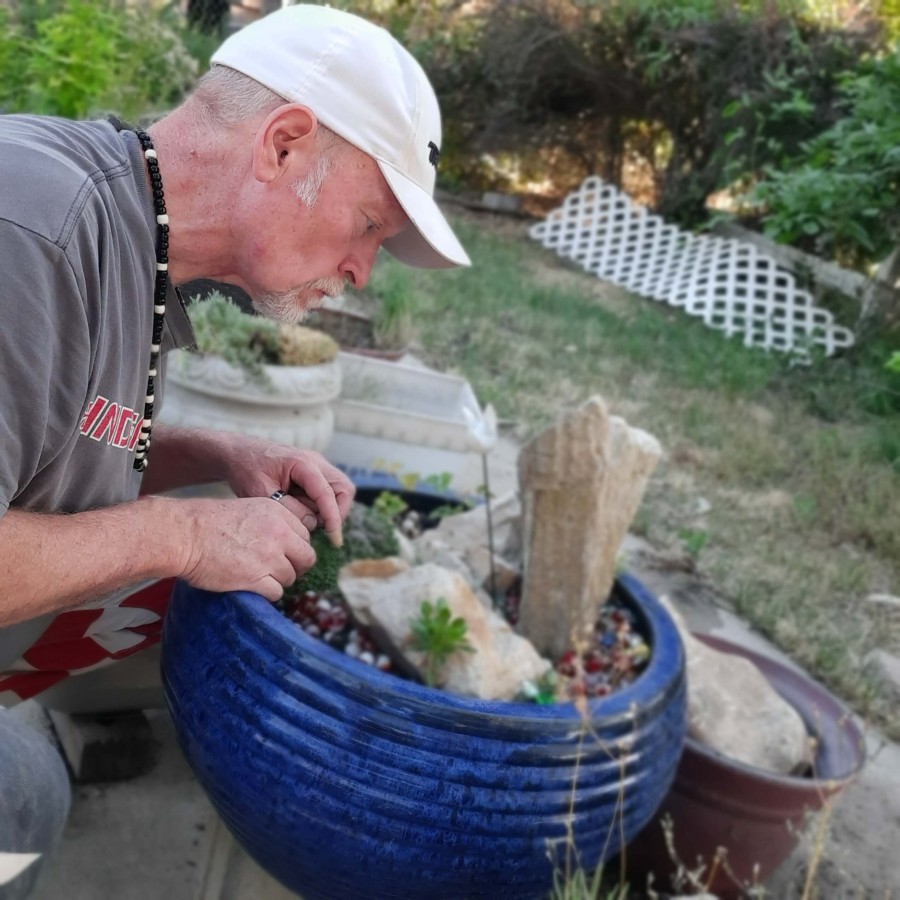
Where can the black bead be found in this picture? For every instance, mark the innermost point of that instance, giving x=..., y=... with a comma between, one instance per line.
x=161, y=287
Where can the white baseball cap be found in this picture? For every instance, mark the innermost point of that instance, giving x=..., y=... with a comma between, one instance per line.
x=367, y=88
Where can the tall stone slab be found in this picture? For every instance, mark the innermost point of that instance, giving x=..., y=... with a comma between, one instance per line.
x=581, y=482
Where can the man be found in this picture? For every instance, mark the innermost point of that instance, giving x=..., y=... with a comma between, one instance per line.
x=312, y=142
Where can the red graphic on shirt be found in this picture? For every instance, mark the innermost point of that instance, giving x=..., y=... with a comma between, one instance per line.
x=113, y=422
x=87, y=638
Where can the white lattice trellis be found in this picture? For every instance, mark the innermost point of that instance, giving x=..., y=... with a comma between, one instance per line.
x=731, y=285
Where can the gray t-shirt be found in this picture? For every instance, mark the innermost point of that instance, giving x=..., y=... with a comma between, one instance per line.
x=77, y=273
x=78, y=263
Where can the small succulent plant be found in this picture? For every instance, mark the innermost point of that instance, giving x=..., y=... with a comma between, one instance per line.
x=437, y=634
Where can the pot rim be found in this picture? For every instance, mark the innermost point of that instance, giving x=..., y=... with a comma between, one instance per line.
x=637, y=701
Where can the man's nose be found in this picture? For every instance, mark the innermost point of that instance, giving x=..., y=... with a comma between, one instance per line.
x=357, y=268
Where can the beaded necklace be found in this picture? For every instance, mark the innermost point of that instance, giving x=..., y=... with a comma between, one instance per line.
x=142, y=449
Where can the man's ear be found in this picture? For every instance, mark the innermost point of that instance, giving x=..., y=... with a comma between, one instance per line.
x=285, y=142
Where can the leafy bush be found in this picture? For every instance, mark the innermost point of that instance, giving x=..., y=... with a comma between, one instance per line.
x=563, y=89
x=76, y=58
x=839, y=196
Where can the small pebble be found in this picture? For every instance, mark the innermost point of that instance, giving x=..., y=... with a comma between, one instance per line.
x=617, y=657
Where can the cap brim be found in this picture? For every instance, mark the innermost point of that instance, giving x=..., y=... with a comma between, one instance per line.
x=429, y=242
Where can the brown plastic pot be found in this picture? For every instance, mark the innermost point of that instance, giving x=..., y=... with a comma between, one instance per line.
x=354, y=333
x=756, y=815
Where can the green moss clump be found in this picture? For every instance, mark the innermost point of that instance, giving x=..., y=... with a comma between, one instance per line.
x=322, y=577
x=368, y=534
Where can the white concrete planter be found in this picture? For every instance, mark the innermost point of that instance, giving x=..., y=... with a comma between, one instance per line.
x=408, y=419
x=207, y=392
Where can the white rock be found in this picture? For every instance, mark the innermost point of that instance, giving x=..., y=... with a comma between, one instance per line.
x=884, y=600
x=888, y=668
x=386, y=595
x=460, y=542
x=733, y=709
x=407, y=549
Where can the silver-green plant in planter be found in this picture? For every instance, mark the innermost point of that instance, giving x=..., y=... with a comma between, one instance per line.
x=254, y=376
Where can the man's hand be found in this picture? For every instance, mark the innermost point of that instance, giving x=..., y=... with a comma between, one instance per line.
x=254, y=544
x=316, y=492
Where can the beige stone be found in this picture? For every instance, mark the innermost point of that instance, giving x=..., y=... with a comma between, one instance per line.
x=386, y=598
x=461, y=543
x=581, y=482
x=733, y=709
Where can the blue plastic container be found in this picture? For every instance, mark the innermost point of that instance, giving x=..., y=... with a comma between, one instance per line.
x=347, y=783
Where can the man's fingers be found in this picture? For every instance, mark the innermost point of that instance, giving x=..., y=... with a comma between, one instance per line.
x=270, y=589
x=302, y=511
x=328, y=489
x=301, y=558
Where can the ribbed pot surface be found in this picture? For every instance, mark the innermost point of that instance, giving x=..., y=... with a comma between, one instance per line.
x=346, y=782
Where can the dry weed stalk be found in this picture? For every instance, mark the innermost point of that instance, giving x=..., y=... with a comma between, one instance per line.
x=578, y=885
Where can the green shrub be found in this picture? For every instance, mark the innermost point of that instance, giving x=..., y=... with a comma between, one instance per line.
x=76, y=58
x=559, y=90
x=839, y=195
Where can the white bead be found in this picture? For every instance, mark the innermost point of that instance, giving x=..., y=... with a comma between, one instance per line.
x=152, y=373
x=154, y=348
x=162, y=220
x=159, y=308
x=148, y=398
x=150, y=154
x=145, y=425
x=162, y=267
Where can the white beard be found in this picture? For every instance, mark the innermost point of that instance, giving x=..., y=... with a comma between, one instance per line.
x=293, y=305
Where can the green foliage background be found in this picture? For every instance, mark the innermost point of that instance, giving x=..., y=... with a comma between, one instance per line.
x=839, y=193
x=792, y=103
x=791, y=106
x=80, y=58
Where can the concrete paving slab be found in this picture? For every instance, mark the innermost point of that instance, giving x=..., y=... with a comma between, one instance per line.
x=233, y=875
x=144, y=839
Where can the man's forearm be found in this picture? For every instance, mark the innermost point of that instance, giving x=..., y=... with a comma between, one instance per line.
x=53, y=562
x=184, y=456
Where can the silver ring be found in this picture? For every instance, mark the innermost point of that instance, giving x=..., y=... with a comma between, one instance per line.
x=277, y=496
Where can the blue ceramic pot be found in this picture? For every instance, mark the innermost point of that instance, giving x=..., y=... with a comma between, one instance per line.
x=347, y=783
